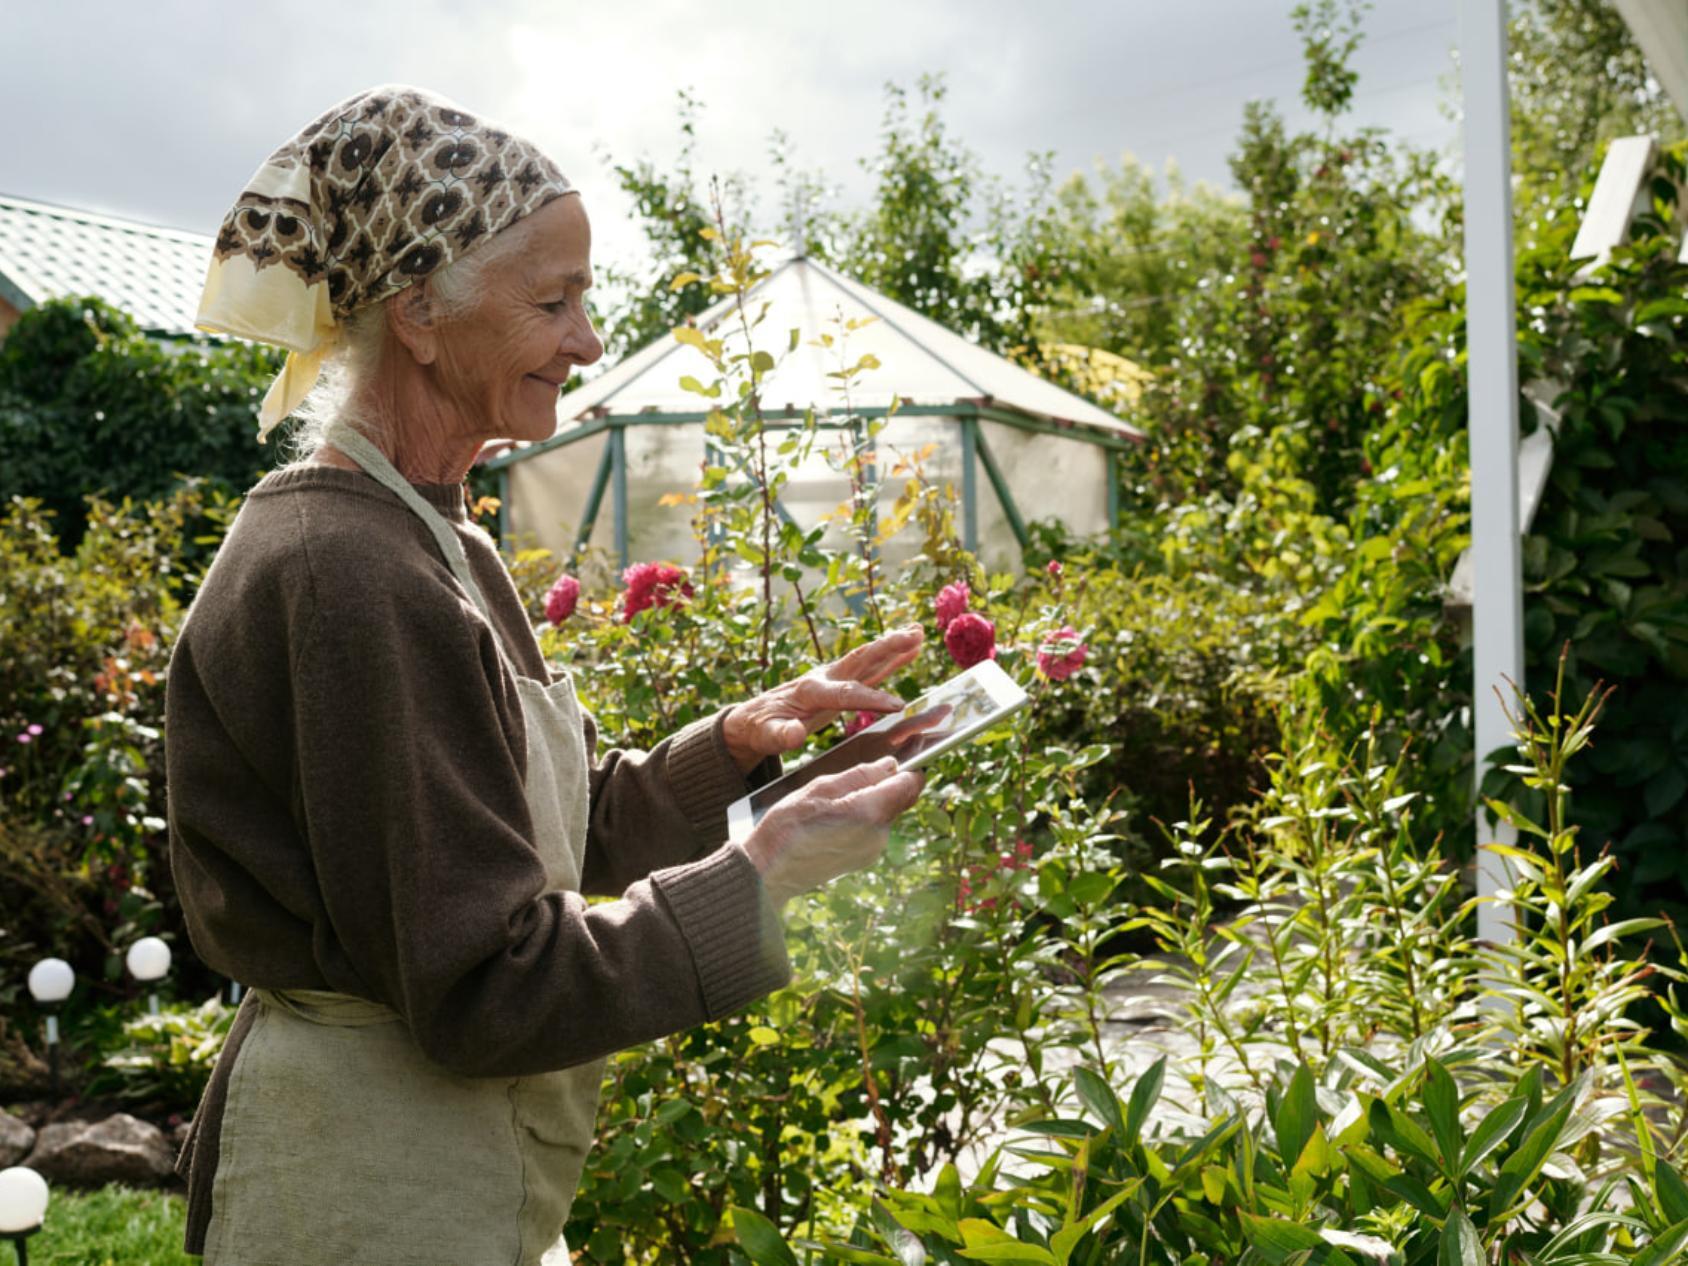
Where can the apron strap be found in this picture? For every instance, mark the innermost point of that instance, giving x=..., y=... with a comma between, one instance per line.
x=375, y=464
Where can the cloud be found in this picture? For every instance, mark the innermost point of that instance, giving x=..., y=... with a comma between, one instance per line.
x=160, y=111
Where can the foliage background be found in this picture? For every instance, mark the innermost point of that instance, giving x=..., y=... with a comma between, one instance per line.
x=1270, y=731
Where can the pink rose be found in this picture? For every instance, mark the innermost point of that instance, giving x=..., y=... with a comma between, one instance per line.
x=561, y=601
x=966, y=892
x=1061, y=654
x=970, y=639
x=952, y=601
x=859, y=722
x=1054, y=569
x=653, y=585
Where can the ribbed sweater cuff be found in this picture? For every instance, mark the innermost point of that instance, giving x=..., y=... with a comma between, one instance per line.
x=734, y=933
x=705, y=779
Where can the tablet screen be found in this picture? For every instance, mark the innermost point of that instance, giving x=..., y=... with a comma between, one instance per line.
x=929, y=722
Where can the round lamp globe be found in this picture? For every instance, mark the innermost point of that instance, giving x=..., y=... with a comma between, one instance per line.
x=23, y=1200
x=148, y=959
x=50, y=980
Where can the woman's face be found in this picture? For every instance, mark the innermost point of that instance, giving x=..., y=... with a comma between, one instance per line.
x=502, y=365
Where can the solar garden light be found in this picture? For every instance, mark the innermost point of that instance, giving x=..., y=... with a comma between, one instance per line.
x=50, y=983
x=23, y=1204
x=149, y=960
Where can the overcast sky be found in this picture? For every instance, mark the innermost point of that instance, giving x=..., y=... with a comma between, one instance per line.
x=160, y=110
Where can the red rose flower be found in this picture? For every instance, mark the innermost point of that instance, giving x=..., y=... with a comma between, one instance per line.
x=1061, y=654
x=653, y=585
x=970, y=639
x=1054, y=569
x=560, y=602
x=952, y=601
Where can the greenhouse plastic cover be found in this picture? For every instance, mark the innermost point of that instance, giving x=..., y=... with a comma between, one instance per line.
x=920, y=362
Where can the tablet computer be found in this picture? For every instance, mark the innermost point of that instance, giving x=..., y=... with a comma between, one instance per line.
x=942, y=718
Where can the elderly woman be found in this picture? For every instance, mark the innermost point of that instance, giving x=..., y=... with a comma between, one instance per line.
x=385, y=807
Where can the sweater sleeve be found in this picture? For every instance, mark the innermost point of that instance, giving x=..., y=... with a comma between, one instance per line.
x=411, y=798
x=663, y=807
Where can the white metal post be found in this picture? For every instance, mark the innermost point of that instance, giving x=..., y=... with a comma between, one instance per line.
x=1492, y=366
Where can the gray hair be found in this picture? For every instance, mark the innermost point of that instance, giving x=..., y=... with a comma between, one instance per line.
x=453, y=294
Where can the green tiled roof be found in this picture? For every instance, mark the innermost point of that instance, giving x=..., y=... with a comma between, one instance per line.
x=48, y=252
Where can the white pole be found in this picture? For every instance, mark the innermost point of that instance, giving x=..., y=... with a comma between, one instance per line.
x=1492, y=365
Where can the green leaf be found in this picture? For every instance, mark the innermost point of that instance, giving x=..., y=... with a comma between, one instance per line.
x=1091, y=888
x=1099, y=1098
x=1315, y=1158
x=1666, y=1246
x=1298, y=1112
x=1066, y=1239
x=1144, y=1095
x=1664, y=789
x=1490, y=1133
x=762, y=1035
x=759, y=1240
x=1415, y=1193
x=947, y=1192
x=1278, y=1241
x=899, y=1238
x=848, y=1253
x=1653, y=310
x=1370, y=1163
x=1441, y=1105
x=669, y=1183
x=988, y=1243
x=1401, y=1132
x=1672, y=1193
x=1460, y=1245
x=1623, y=927
x=671, y=1110
x=1525, y=1163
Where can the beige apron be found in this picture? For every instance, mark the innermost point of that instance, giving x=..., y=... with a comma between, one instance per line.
x=342, y=1142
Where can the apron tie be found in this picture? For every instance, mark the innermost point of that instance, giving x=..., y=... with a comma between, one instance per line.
x=324, y=1006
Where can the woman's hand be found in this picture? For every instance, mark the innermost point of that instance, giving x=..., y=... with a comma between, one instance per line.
x=779, y=720
x=830, y=827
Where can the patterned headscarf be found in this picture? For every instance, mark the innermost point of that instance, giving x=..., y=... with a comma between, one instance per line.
x=386, y=188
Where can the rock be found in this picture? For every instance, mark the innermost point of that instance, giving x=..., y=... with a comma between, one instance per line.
x=118, y=1149
x=16, y=1139
x=179, y=1135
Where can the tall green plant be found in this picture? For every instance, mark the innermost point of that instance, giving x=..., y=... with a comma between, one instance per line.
x=1568, y=985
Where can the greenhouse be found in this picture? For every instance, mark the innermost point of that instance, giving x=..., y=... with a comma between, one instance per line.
x=1014, y=447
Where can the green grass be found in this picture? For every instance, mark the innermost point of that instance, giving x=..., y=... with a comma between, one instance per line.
x=114, y=1226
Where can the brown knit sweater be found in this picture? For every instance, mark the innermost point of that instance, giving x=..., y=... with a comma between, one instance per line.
x=345, y=756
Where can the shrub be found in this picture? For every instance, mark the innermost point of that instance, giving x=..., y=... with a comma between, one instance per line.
x=1371, y=1103
x=82, y=833
x=90, y=404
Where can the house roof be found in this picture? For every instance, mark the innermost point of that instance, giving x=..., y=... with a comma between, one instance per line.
x=48, y=252
x=920, y=362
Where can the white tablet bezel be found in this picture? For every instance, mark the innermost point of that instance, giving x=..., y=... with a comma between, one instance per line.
x=1006, y=698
